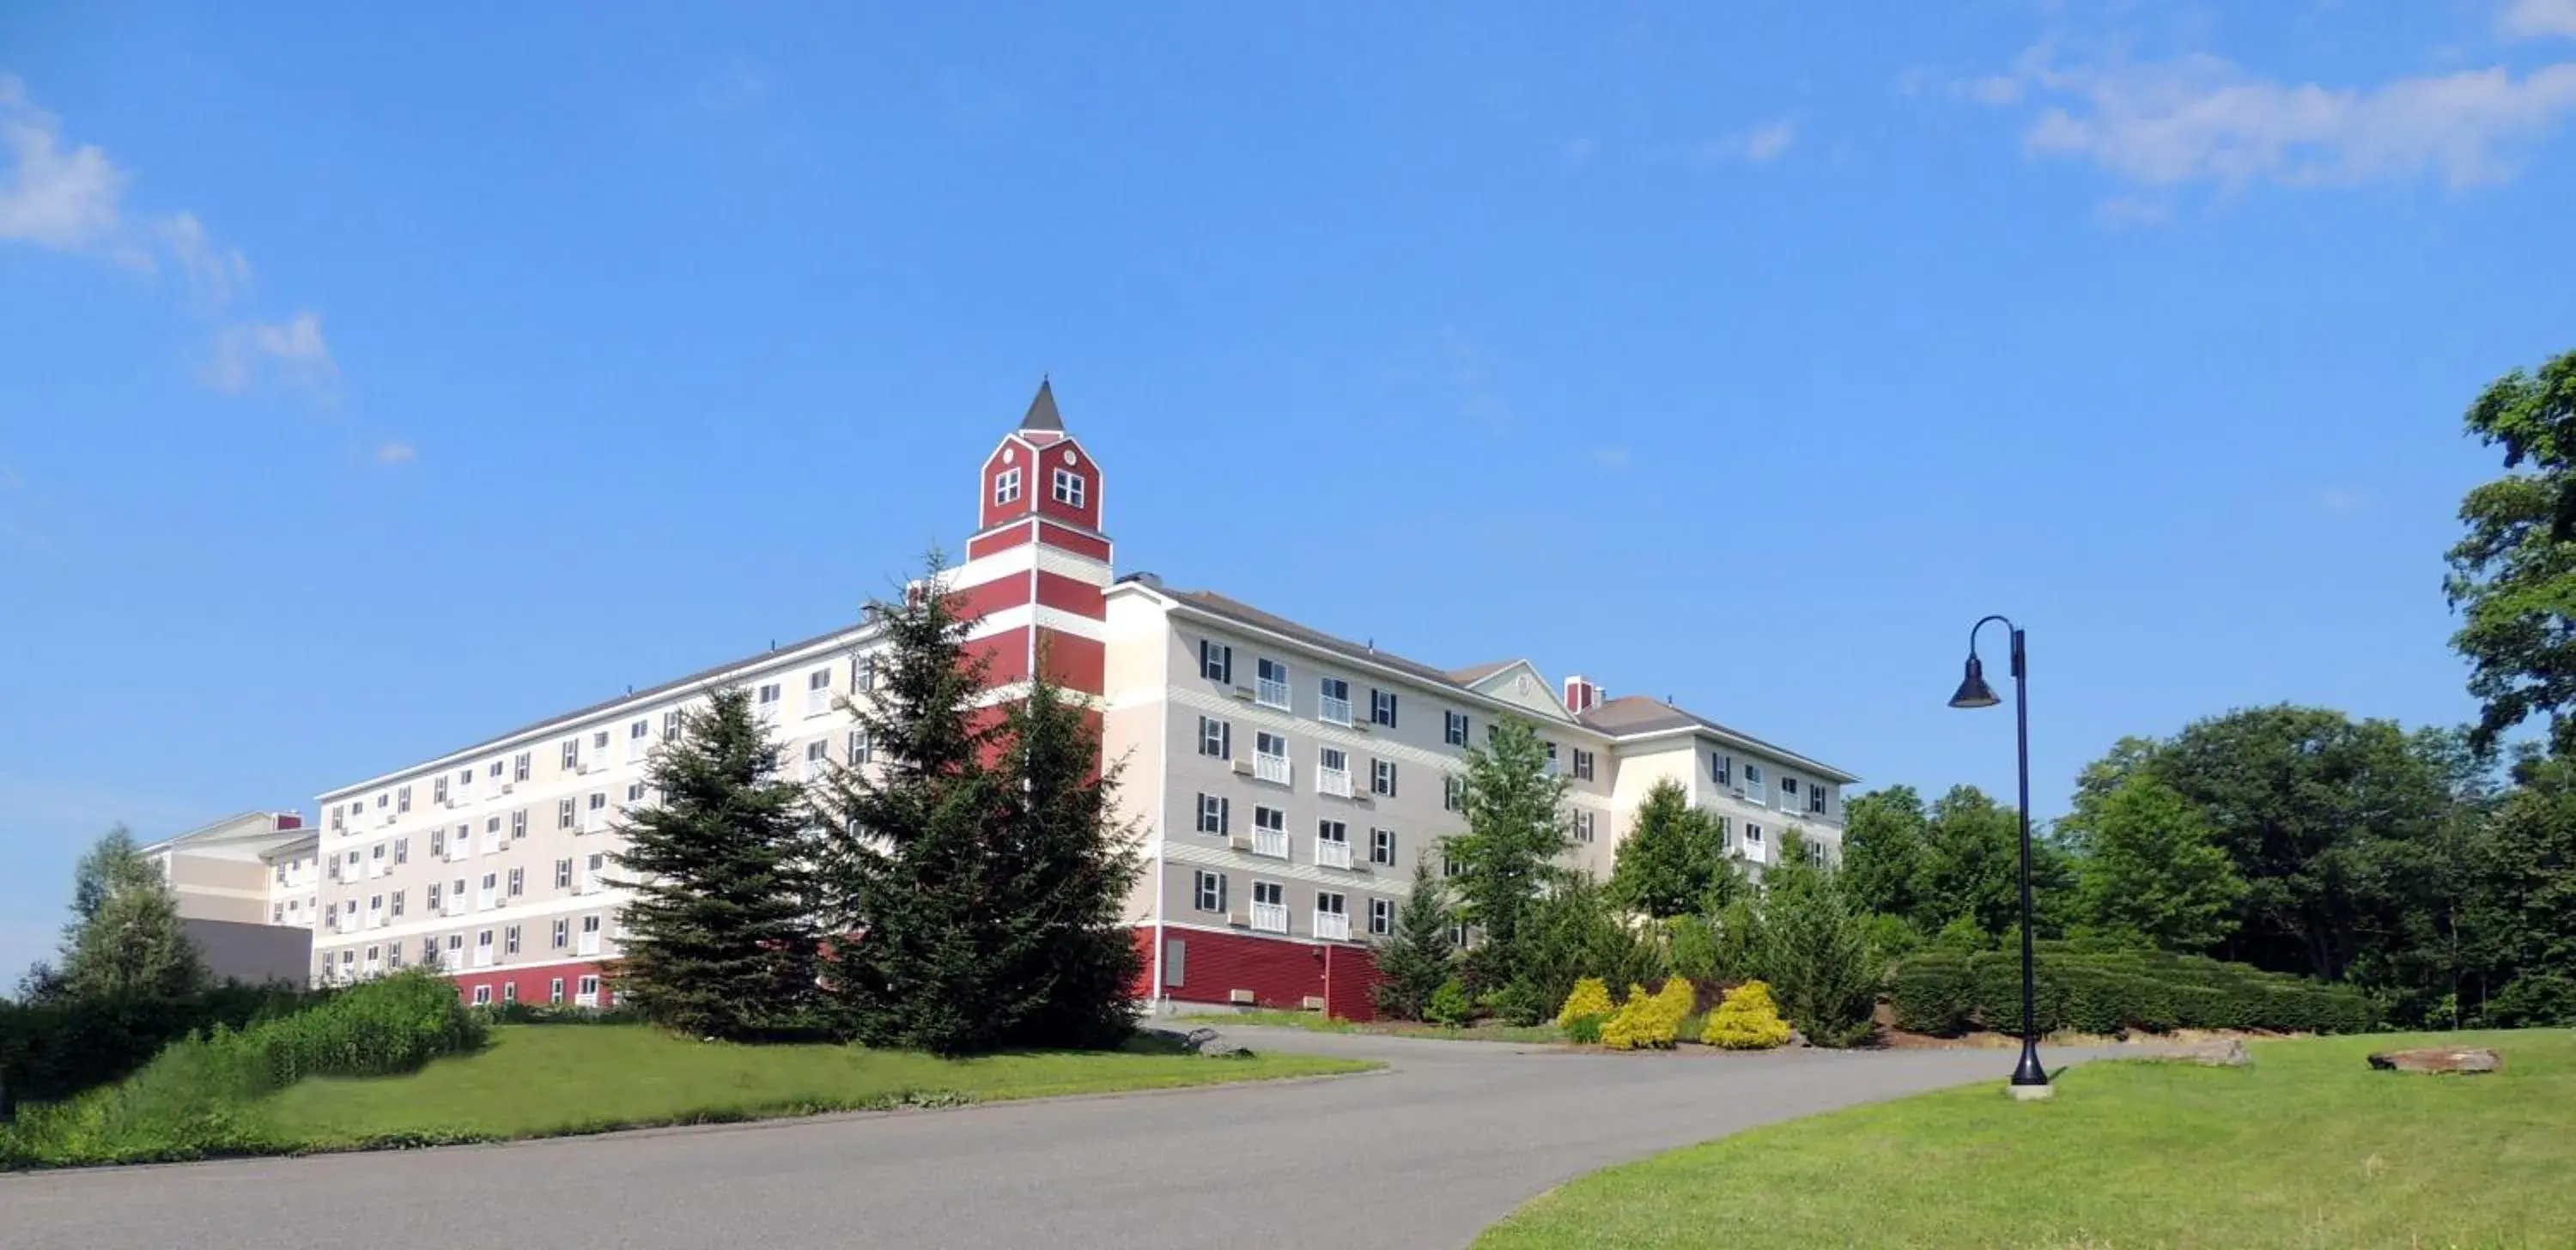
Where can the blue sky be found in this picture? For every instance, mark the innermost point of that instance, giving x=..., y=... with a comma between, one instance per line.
x=369, y=383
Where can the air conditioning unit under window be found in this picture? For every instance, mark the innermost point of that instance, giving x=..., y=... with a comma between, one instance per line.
x=1244, y=767
x=1240, y=996
x=1239, y=919
x=1239, y=841
x=1312, y=1003
x=1739, y=792
x=1244, y=693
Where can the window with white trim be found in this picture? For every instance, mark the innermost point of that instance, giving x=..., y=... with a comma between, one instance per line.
x=1752, y=834
x=1216, y=738
x=1582, y=764
x=518, y=824
x=1382, y=847
x=396, y=910
x=818, y=691
x=1381, y=917
x=1788, y=792
x=1006, y=486
x=860, y=752
x=1382, y=777
x=1721, y=768
x=519, y=766
x=1382, y=707
x=509, y=991
x=518, y=882
x=1754, y=791
x=1453, y=793
x=438, y=788
x=673, y=722
x=1333, y=700
x=1583, y=824
x=554, y=992
x=1270, y=893
x=433, y=895
x=402, y=799
x=1270, y=684
x=483, y=996
x=564, y=814
x=1216, y=662
x=1214, y=809
x=1069, y=488
x=510, y=940
x=572, y=753
x=1207, y=890
x=1453, y=728
x=563, y=934
x=563, y=873
x=1816, y=798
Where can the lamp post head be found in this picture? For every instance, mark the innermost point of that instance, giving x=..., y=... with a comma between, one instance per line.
x=1973, y=690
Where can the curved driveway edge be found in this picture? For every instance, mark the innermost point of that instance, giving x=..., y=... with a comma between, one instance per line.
x=1453, y=1136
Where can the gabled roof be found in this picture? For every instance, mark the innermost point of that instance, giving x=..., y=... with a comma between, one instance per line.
x=1635, y=715
x=1474, y=673
x=251, y=829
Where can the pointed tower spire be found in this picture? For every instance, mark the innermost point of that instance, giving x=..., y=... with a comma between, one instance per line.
x=1042, y=414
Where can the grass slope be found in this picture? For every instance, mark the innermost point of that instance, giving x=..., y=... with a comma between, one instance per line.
x=536, y=1081
x=2307, y=1147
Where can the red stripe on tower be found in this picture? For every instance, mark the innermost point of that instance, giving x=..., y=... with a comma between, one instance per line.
x=1038, y=565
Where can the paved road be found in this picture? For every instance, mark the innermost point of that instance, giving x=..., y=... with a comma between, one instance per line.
x=1452, y=1137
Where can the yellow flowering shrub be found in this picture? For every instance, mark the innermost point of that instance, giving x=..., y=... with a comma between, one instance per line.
x=1591, y=997
x=1746, y=1019
x=1649, y=1021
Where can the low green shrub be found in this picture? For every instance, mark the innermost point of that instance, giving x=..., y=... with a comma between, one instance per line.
x=1947, y=992
x=50, y=1051
x=199, y=1097
x=1451, y=1005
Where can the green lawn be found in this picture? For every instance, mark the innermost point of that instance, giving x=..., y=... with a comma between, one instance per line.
x=1318, y=1022
x=2307, y=1147
x=545, y=1080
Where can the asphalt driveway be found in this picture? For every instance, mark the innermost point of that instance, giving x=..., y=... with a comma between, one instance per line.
x=1453, y=1136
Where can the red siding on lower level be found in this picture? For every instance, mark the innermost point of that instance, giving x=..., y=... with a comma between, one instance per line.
x=536, y=985
x=1281, y=973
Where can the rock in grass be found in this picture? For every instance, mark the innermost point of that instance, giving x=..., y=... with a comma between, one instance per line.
x=2467, y=1060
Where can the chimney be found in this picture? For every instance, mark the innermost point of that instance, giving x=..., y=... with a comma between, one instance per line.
x=1581, y=695
x=289, y=820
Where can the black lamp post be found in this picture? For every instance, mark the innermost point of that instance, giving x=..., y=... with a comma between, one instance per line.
x=2029, y=1079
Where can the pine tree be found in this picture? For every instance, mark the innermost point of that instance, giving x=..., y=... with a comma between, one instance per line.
x=974, y=867
x=1516, y=830
x=1419, y=958
x=1066, y=959
x=906, y=837
x=126, y=940
x=1670, y=858
x=721, y=935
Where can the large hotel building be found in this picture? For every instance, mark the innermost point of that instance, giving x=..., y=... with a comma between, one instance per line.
x=1283, y=781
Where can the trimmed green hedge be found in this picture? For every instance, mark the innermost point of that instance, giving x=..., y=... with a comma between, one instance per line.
x=1946, y=993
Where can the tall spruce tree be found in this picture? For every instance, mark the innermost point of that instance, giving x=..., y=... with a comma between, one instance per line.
x=721, y=934
x=1516, y=831
x=1064, y=951
x=1670, y=858
x=972, y=866
x=126, y=940
x=1418, y=958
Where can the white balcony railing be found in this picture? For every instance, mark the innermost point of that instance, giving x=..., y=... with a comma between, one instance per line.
x=593, y=881
x=1270, y=842
x=482, y=956
x=1271, y=692
x=1338, y=711
x=1332, y=854
x=594, y=820
x=451, y=961
x=637, y=748
x=1333, y=781
x=589, y=943
x=1333, y=925
x=1275, y=768
x=586, y=998
x=818, y=702
x=459, y=847
x=1270, y=917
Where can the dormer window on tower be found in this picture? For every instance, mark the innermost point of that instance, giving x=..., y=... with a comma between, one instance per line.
x=1006, y=487
x=1068, y=488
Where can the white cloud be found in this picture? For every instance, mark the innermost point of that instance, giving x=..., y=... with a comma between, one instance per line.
x=2533, y=19
x=2201, y=119
x=1760, y=145
x=292, y=350
x=216, y=271
x=49, y=196
x=71, y=200
x=396, y=453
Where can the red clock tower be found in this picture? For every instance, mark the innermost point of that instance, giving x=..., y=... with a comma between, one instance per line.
x=1038, y=564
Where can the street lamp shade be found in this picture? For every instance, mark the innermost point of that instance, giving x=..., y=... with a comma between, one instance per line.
x=1973, y=690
